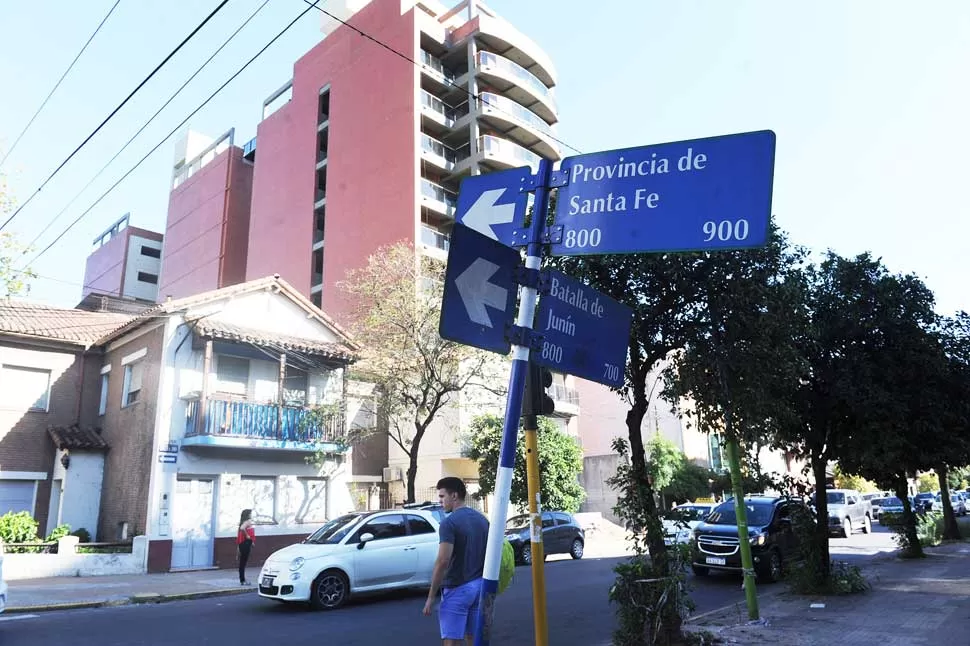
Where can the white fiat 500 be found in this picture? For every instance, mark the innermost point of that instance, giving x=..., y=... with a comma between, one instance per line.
x=355, y=553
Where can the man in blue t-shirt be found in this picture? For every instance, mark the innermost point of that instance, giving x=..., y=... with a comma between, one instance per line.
x=462, y=537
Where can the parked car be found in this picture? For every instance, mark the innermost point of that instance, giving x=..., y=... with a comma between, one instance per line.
x=3, y=584
x=434, y=507
x=679, y=522
x=356, y=553
x=561, y=534
x=715, y=544
x=877, y=506
x=891, y=508
x=956, y=501
x=848, y=511
x=925, y=501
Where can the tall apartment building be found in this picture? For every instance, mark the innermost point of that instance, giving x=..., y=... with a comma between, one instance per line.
x=364, y=147
x=125, y=263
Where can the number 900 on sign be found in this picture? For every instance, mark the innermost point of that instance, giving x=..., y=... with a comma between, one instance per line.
x=726, y=230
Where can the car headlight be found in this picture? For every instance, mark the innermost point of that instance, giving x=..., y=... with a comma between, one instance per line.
x=758, y=539
x=297, y=563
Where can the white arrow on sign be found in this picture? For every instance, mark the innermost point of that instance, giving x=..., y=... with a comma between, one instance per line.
x=476, y=292
x=485, y=212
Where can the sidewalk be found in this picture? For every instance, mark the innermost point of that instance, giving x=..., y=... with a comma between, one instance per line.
x=61, y=593
x=911, y=602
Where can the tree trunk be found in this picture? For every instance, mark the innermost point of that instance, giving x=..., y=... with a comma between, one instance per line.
x=655, y=539
x=951, y=531
x=412, y=474
x=909, y=520
x=821, y=536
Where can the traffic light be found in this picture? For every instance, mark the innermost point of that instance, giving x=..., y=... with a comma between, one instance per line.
x=535, y=400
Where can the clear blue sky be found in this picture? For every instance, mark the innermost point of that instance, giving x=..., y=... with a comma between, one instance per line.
x=869, y=101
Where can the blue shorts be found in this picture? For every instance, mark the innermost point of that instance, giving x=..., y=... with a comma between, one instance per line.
x=459, y=610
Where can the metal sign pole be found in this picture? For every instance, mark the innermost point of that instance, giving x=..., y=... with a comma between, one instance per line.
x=539, y=615
x=513, y=410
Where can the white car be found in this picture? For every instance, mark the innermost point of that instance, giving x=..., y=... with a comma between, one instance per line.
x=355, y=553
x=679, y=522
x=3, y=584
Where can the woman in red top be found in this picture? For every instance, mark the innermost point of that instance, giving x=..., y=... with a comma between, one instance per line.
x=245, y=538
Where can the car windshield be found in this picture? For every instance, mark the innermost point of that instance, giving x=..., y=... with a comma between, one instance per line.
x=878, y=502
x=925, y=496
x=687, y=513
x=517, y=522
x=835, y=498
x=892, y=502
x=759, y=513
x=335, y=530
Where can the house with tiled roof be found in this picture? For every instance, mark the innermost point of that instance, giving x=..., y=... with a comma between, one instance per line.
x=199, y=408
x=48, y=371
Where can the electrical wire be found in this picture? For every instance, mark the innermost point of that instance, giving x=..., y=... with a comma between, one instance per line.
x=59, y=81
x=147, y=123
x=114, y=112
x=418, y=65
x=169, y=135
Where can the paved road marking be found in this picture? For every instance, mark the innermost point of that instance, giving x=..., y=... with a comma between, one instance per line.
x=16, y=617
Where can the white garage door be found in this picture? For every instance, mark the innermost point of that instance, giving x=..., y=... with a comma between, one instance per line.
x=16, y=495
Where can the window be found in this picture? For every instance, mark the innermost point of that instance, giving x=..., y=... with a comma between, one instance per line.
x=562, y=519
x=419, y=525
x=132, y=389
x=390, y=526
x=313, y=504
x=25, y=387
x=232, y=375
x=151, y=252
x=547, y=521
x=259, y=494
x=103, y=404
x=145, y=277
x=294, y=387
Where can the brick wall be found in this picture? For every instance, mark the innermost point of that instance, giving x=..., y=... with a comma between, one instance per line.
x=24, y=442
x=129, y=431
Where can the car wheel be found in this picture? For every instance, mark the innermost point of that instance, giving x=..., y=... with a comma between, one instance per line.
x=700, y=570
x=867, y=525
x=525, y=554
x=846, y=528
x=576, y=550
x=771, y=572
x=329, y=591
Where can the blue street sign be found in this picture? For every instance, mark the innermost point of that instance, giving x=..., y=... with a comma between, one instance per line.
x=479, y=294
x=494, y=204
x=698, y=195
x=584, y=332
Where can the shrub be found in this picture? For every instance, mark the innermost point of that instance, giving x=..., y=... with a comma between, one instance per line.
x=59, y=532
x=929, y=529
x=83, y=535
x=18, y=528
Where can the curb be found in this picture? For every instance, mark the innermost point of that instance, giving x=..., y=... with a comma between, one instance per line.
x=137, y=599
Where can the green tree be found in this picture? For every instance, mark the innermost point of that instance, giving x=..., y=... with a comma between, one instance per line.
x=927, y=482
x=952, y=470
x=13, y=281
x=674, y=476
x=858, y=483
x=897, y=389
x=560, y=463
x=395, y=303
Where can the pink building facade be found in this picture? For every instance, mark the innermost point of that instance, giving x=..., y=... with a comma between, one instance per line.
x=125, y=263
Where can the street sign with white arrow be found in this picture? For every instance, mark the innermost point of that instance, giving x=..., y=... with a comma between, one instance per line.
x=494, y=204
x=479, y=292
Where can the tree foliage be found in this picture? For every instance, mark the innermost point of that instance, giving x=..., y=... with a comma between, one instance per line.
x=560, y=463
x=13, y=281
x=858, y=483
x=395, y=306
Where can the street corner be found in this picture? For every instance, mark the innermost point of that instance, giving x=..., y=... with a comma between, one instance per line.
x=154, y=597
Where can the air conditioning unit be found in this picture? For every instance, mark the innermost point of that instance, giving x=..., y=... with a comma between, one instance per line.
x=393, y=474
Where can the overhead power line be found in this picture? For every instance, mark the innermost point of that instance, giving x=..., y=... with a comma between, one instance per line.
x=147, y=123
x=418, y=65
x=169, y=135
x=59, y=81
x=115, y=111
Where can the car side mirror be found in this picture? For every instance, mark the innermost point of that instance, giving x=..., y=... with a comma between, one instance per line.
x=364, y=538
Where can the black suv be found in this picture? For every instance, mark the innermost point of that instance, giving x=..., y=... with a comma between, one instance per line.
x=715, y=544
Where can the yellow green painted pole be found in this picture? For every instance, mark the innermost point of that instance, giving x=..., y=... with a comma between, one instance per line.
x=741, y=513
x=535, y=517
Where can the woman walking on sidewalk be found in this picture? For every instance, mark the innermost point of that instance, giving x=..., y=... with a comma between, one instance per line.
x=245, y=538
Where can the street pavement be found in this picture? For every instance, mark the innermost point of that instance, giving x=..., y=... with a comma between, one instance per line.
x=578, y=609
